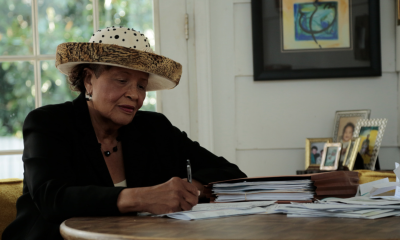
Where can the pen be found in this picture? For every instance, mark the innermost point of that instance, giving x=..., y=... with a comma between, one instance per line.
x=189, y=171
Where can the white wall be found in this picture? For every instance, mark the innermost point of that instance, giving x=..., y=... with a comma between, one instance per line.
x=262, y=126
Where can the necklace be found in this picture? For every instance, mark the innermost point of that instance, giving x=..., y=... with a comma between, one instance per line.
x=114, y=149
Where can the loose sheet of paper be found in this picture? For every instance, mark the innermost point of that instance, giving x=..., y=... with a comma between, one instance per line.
x=364, y=200
x=238, y=205
x=367, y=187
x=382, y=188
x=214, y=214
x=397, y=172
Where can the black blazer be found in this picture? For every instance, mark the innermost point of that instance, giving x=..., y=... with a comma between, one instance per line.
x=66, y=176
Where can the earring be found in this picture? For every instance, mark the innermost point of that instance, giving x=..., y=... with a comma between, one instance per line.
x=88, y=96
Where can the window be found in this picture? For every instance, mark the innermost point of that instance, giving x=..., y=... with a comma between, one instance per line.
x=30, y=31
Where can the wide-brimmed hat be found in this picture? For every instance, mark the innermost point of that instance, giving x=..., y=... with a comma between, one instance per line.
x=121, y=47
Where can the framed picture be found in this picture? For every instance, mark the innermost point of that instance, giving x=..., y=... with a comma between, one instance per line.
x=398, y=12
x=351, y=154
x=370, y=133
x=330, y=159
x=314, y=151
x=303, y=39
x=345, y=123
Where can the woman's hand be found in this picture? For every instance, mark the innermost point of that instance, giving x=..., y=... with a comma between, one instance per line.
x=172, y=196
x=199, y=187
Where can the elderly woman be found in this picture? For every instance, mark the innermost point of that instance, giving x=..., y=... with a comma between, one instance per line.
x=99, y=155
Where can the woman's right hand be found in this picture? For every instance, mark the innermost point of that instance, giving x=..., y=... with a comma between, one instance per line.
x=171, y=196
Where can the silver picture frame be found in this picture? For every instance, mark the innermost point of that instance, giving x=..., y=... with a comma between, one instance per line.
x=370, y=130
x=352, y=116
x=330, y=159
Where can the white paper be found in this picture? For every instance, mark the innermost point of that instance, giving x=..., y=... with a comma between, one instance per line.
x=365, y=201
x=367, y=187
x=382, y=188
x=397, y=171
x=214, y=214
x=289, y=182
x=263, y=196
x=397, y=193
x=340, y=206
x=239, y=205
x=375, y=216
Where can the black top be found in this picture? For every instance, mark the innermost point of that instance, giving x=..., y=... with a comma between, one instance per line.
x=65, y=174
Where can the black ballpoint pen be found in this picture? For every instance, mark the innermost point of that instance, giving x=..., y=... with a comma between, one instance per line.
x=189, y=171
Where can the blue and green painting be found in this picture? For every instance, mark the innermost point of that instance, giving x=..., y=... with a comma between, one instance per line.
x=316, y=21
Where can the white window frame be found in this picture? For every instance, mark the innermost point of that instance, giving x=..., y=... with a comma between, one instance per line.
x=37, y=57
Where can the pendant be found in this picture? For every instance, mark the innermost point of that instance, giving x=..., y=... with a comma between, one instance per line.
x=107, y=153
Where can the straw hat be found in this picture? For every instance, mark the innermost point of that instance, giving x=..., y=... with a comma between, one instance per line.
x=121, y=47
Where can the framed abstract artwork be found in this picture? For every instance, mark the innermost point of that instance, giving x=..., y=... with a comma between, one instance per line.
x=298, y=39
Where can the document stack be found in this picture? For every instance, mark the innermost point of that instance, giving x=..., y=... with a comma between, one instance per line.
x=285, y=189
x=291, y=190
x=357, y=207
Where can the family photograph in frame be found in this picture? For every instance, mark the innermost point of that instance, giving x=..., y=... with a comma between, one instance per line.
x=370, y=133
x=351, y=154
x=345, y=123
x=330, y=159
x=314, y=151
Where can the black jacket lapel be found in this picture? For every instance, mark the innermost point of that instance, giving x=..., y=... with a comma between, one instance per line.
x=88, y=141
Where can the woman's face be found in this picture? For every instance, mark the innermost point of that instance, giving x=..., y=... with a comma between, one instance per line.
x=117, y=94
x=348, y=134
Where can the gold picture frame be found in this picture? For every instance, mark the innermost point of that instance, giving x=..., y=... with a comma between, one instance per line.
x=330, y=159
x=351, y=154
x=319, y=143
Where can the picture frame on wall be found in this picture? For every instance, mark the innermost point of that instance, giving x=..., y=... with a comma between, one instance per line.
x=351, y=154
x=345, y=123
x=343, y=40
x=370, y=132
x=314, y=151
x=330, y=159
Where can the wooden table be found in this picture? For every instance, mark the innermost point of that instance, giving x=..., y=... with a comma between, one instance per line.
x=241, y=227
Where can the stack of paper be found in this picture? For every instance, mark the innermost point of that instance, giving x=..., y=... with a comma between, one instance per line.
x=291, y=190
x=353, y=208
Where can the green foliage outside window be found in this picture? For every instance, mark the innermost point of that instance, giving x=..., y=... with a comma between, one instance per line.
x=58, y=22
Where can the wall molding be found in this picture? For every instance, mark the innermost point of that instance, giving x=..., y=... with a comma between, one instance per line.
x=203, y=73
